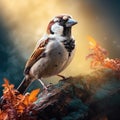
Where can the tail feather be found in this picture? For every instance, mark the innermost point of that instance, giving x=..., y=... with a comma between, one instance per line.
x=24, y=85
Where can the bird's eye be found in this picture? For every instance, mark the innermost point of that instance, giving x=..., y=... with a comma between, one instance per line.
x=63, y=21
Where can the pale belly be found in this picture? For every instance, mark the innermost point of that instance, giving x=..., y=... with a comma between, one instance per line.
x=56, y=59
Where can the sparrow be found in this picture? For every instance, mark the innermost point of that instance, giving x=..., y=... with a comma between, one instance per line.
x=52, y=54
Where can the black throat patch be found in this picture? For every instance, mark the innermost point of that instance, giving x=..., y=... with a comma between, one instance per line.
x=69, y=45
x=67, y=31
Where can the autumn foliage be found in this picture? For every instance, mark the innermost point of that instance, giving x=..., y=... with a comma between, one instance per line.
x=15, y=106
x=100, y=57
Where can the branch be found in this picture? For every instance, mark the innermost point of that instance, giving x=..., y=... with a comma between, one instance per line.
x=70, y=98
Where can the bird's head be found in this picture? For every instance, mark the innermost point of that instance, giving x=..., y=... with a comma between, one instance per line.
x=61, y=25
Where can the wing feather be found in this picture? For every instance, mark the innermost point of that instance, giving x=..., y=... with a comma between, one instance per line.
x=36, y=55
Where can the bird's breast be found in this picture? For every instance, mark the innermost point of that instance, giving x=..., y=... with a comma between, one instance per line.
x=55, y=60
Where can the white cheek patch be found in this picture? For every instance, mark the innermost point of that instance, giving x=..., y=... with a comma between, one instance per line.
x=57, y=29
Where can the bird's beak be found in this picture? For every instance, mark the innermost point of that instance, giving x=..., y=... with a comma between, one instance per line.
x=71, y=22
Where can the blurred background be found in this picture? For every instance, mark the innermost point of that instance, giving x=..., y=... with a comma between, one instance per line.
x=23, y=22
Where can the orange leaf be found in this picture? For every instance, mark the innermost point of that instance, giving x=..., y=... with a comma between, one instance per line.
x=3, y=115
x=92, y=42
x=33, y=94
x=20, y=109
x=26, y=100
x=6, y=83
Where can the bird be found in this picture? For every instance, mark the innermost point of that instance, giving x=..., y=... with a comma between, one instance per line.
x=52, y=53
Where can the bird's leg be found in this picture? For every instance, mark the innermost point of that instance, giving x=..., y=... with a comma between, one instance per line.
x=44, y=86
x=63, y=77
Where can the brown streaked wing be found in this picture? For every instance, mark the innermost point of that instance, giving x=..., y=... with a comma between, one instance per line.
x=37, y=54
